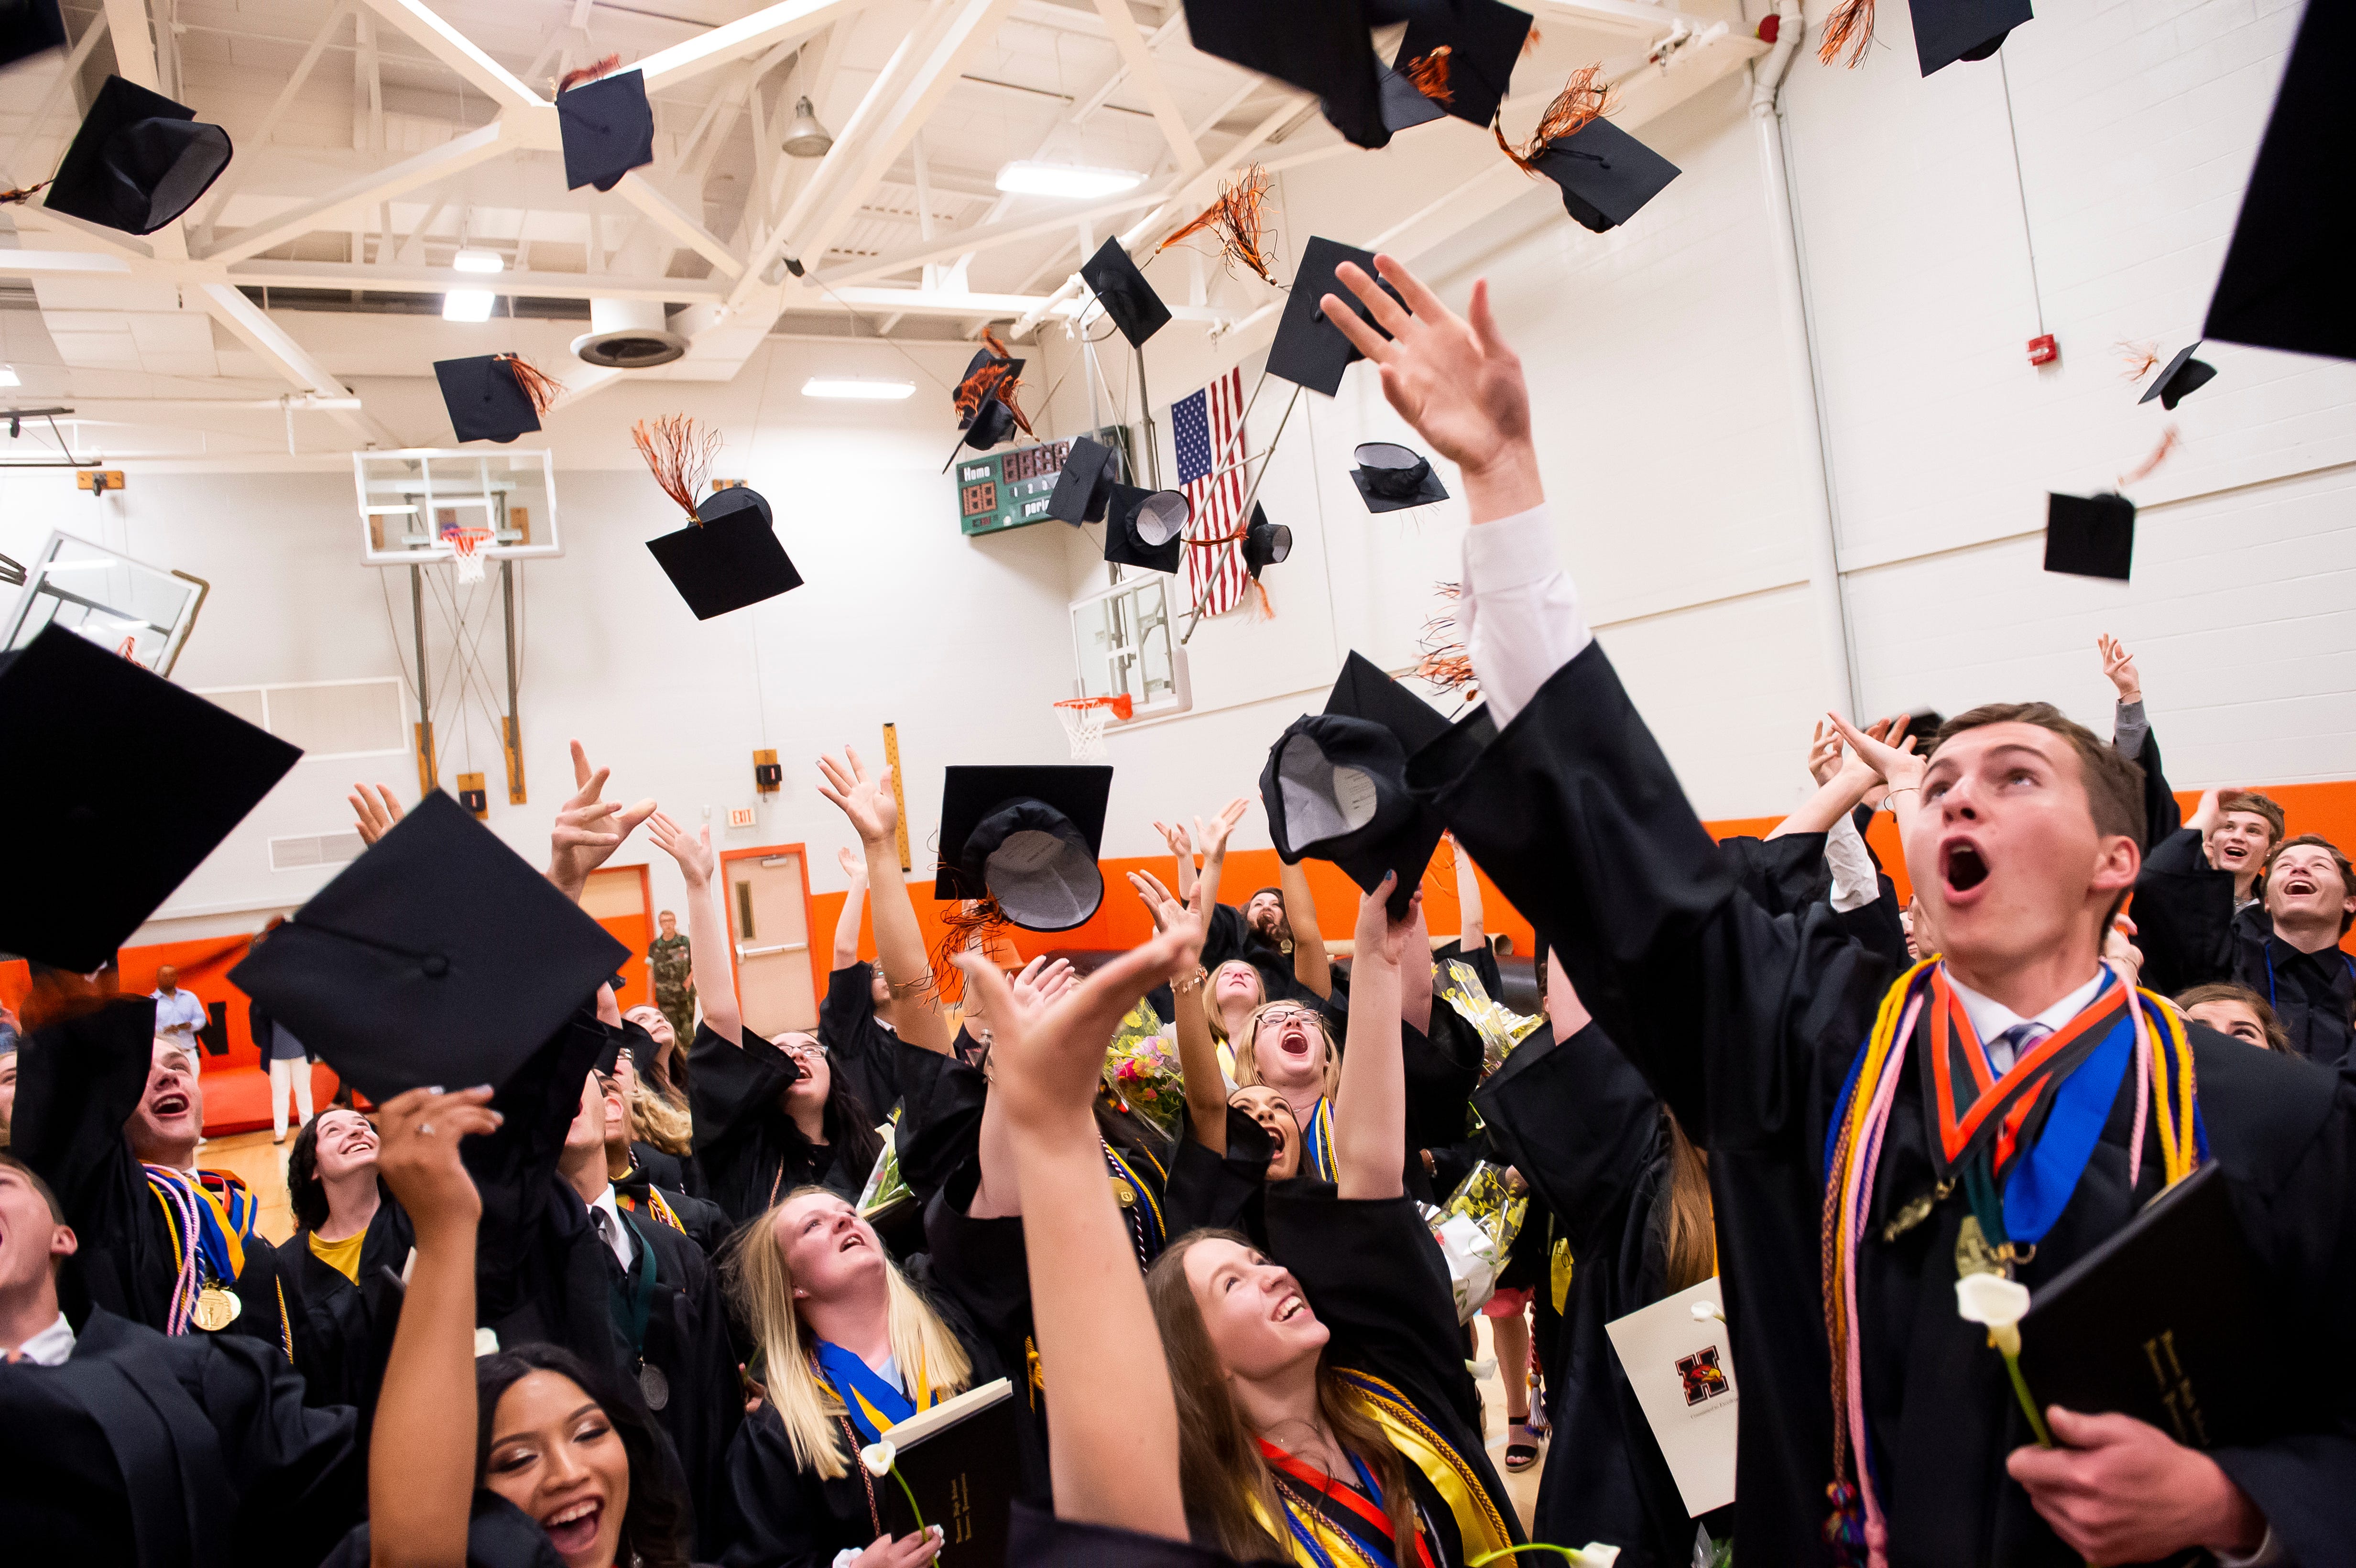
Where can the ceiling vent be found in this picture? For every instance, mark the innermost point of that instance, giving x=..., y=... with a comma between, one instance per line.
x=628, y=335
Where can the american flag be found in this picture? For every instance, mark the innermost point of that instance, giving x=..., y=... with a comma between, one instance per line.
x=1209, y=429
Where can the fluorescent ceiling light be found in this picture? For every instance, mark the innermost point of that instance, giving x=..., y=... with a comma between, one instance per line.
x=478, y=260
x=1024, y=178
x=877, y=391
x=86, y=564
x=8, y=376
x=468, y=305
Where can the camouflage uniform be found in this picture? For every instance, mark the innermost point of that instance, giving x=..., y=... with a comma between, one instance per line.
x=674, y=994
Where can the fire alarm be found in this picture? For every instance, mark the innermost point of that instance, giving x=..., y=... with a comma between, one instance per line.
x=2043, y=351
x=767, y=777
x=474, y=796
x=1770, y=25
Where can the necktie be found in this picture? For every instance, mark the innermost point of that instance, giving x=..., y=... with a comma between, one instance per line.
x=2005, y=1049
x=607, y=1234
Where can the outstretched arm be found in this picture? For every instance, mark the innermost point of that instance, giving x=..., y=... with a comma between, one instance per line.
x=1181, y=849
x=1310, y=965
x=708, y=971
x=1471, y=933
x=1198, y=1055
x=899, y=941
x=1213, y=836
x=1414, y=973
x=1370, y=1106
x=588, y=829
x=855, y=906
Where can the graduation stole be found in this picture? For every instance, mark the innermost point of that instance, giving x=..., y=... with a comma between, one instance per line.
x=2018, y=1145
x=209, y=1215
x=1317, y=1142
x=873, y=1404
x=1328, y=1523
x=1138, y=1206
x=654, y=1204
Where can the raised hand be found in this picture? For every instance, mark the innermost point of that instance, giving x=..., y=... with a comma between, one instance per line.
x=1215, y=833
x=1046, y=1056
x=853, y=866
x=867, y=802
x=1896, y=765
x=588, y=829
x=417, y=1153
x=1452, y=377
x=2120, y=665
x=692, y=851
x=377, y=813
x=1175, y=834
x=1042, y=980
x=1380, y=937
x=1170, y=914
x=1823, y=752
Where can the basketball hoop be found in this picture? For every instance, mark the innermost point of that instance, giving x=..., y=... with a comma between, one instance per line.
x=1084, y=719
x=467, y=547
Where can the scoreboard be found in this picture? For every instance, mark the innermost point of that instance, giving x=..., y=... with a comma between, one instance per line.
x=1009, y=489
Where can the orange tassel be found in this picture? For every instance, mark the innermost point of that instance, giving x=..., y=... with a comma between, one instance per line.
x=2142, y=358
x=965, y=925
x=1267, y=610
x=1530, y=43
x=678, y=455
x=992, y=380
x=580, y=74
x=22, y=194
x=1240, y=218
x=1430, y=75
x=542, y=388
x=2168, y=441
x=1583, y=98
x=1850, y=28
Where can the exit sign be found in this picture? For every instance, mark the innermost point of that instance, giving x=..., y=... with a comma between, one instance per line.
x=1002, y=490
x=740, y=816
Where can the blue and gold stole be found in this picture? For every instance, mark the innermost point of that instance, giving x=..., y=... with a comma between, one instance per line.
x=1317, y=1142
x=871, y=1402
x=209, y=1215
x=1141, y=1206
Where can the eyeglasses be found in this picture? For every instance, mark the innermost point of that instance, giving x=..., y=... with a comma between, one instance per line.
x=805, y=1049
x=1285, y=1015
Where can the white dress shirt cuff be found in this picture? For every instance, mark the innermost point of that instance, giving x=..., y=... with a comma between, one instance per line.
x=1854, y=882
x=1518, y=610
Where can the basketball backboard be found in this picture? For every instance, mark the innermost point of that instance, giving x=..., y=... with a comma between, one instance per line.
x=411, y=501
x=140, y=611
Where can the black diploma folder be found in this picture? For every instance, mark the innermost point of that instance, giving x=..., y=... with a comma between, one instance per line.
x=2167, y=1321
x=958, y=1458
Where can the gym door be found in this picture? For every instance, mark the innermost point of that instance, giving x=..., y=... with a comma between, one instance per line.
x=769, y=926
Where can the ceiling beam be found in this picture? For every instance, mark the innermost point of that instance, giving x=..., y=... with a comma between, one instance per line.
x=1138, y=59
x=1103, y=95
x=67, y=74
x=289, y=359
x=672, y=219
x=458, y=154
x=457, y=51
x=683, y=62
x=955, y=242
x=418, y=280
x=60, y=263
x=135, y=61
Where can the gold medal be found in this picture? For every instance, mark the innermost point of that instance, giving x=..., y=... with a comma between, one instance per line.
x=654, y=1386
x=1972, y=1254
x=1123, y=1193
x=216, y=1309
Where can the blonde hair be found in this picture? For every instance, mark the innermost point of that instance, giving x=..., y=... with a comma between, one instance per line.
x=761, y=1289
x=1211, y=990
x=658, y=1119
x=1247, y=1054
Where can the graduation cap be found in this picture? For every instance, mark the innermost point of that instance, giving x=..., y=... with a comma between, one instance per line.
x=2184, y=376
x=1335, y=783
x=980, y=398
x=729, y=557
x=608, y=128
x=1605, y=174
x=1026, y=836
x=1124, y=294
x=2090, y=536
x=627, y=1035
x=106, y=830
x=1309, y=350
x=1146, y=527
x=29, y=27
x=439, y=956
x=1264, y=543
x=1390, y=476
x=138, y=162
x=1325, y=46
x=487, y=398
x=1467, y=49
x=1084, y=486
x=1404, y=104
x=2284, y=282
x=1946, y=31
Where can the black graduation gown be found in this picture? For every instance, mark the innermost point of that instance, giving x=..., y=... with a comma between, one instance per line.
x=346, y=1327
x=858, y=1046
x=78, y=1083
x=187, y=1451
x=1747, y=1026
x=1376, y=1278
x=687, y=1339
x=751, y=1152
x=1220, y=1191
x=499, y=1535
x=1229, y=935
x=1579, y=1125
x=779, y=1515
x=1037, y=1538
x=705, y=1223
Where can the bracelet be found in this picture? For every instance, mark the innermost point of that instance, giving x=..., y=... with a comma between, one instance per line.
x=1191, y=981
x=1902, y=789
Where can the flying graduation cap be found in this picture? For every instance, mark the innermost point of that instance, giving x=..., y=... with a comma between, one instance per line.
x=2090, y=536
x=984, y=398
x=1391, y=478
x=1335, y=783
x=1264, y=543
x=1461, y=55
x=29, y=27
x=494, y=397
x=439, y=956
x=104, y=840
x=1124, y=294
x=138, y=162
x=1946, y=31
x=1084, y=485
x=729, y=557
x=607, y=125
x=2184, y=376
x=1404, y=104
x=2284, y=282
x=1325, y=46
x=1606, y=175
x=1146, y=527
x=1309, y=351
x=1026, y=836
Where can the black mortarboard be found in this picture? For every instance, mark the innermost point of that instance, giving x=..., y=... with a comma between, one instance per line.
x=29, y=26
x=1309, y=350
x=1335, y=783
x=1484, y=39
x=2285, y=283
x=485, y=400
x=2090, y=536
x=138, y=162
x=1146, y=527
x=608, y=128
x=730, y=558
x=631, y=1036
x=1946, y=31
x=439, y=956
x=989, y=421
x=1325, y=46
x=1390, y=476
x=1027, y=837
x=1605, y=174
x=2184, y=376
x=1122, y=290
x=1264, y=543
x=104, y=830
x=1404, y=104
x=1084, y=485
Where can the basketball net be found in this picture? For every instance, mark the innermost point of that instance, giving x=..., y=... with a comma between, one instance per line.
x=467, y=547
x=1084, y=719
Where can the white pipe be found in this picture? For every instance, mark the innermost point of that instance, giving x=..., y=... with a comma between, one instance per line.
x=1799, y=356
